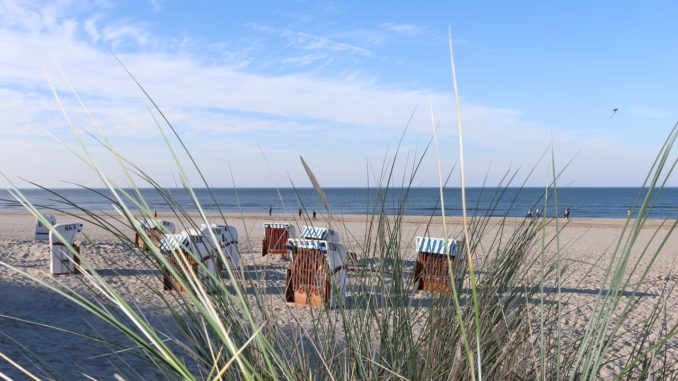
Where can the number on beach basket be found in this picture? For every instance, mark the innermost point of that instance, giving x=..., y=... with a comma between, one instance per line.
x=317, y=275
x=275, y=238
x=63, y=260
x=154, y=229
x=42, y=230
x=431, y=270
x=192, y=257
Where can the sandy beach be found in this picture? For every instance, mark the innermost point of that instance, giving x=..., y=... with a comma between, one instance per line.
x=27, y=309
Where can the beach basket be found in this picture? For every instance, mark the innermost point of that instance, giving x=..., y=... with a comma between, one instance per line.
x=41, y=230
x=153, y=229
x=431, y=272
x=189, y=252
x=227, y=236
x=275, y=238
x=62, y=259
x=317, y=275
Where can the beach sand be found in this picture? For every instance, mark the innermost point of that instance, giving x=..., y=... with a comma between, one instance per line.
x=26, y=309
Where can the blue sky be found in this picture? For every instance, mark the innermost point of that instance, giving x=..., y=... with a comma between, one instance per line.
x=336, y=82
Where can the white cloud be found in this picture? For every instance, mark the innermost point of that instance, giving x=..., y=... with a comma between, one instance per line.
x=121, y=34
x=306, y=59
x=90, y=27
x=223, y=110
x=404, y=29
x=157, y=4
x=308, y=41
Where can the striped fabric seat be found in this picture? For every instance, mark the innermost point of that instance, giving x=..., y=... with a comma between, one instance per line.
x=296, y=242
x=275, y=225
x=172, y=242
x=147, y=223
x=311, y=232
x=323, y=246
x=437, y=246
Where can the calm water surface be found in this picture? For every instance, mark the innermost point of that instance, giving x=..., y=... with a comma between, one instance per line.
x=582, y=202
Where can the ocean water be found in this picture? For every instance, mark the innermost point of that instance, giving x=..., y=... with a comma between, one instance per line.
x=582, y=202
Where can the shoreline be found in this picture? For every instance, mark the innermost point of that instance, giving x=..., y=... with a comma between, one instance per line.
x=435, y=220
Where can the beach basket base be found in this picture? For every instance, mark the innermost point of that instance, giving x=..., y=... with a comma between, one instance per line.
x=266, y=250
x=431, y=273
x=313, y=300
x=307, y=281
x=306, y=297
x=76, y=262
x=169, y=281
x=154, y=234
x=221, y=266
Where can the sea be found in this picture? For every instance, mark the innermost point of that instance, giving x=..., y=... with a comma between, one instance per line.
x=513, y=202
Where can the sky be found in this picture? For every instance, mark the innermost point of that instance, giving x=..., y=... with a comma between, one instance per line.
x=249, y=87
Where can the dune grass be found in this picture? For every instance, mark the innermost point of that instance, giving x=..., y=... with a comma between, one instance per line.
x=502, y=324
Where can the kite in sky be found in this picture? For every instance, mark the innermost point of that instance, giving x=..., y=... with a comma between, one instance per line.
x=614, y=112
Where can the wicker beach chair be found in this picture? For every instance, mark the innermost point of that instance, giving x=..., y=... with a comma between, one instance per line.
x=63, y=260
x=275, y=238
x=154, y=228
x=41, y=230
x=186, y=252
x=228, y=240
x=317, y=275
x=431, y=270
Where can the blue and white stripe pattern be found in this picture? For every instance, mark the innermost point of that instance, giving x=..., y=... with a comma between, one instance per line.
x=173, y=242
x=296, y=242
x=437, y=246
x=151, y=223
x=276, y=225
x=147, y=223
x=310, y=232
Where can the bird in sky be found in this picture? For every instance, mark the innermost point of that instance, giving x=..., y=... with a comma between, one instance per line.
x=614, y=112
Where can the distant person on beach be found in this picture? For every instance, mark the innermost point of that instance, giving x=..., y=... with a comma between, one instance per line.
x=299, y=212
x=566, y=213
x=628, y=212
x=270, y=210
x=314, y=214
x=529, y=213
x=536, y=212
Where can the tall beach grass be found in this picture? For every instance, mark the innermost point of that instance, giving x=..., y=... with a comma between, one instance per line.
x=506, y=322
